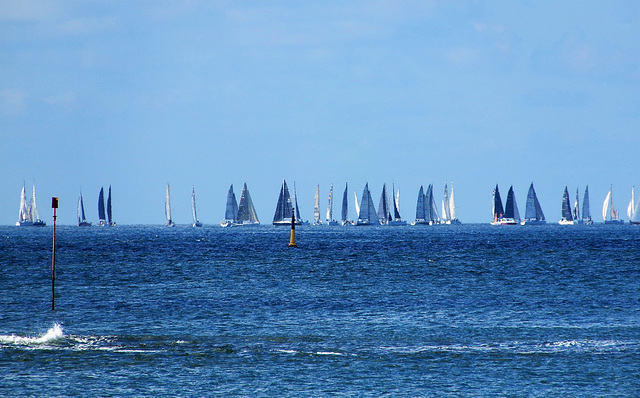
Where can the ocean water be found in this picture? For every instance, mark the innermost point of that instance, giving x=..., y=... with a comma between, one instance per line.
x=469, y=310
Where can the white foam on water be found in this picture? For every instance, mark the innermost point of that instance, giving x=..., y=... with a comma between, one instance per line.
x=53, y=334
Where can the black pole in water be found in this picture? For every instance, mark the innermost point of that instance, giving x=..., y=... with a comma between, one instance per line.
x=54, y=206
x=292, y=241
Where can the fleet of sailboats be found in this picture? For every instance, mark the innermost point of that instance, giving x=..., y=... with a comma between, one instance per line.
x=387, y=212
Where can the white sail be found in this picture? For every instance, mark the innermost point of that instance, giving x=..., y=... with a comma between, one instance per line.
x=446, y=211
x=636, y=213
x=316, y=207
x=452, y=205
x=196, y=222
x=576, y=206
x=357, y=205
x=329, y=215
x=586, y=210
x=23, y=215
x=167, y=209
x=632, y=202
x=605, y=206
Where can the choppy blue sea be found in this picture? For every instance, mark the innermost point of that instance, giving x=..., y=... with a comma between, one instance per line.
x=470, y=310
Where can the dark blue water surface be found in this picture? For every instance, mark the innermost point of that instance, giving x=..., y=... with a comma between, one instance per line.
x=358, y=311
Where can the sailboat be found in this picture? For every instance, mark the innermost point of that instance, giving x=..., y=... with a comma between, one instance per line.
x=28, y=215
x=367, y=211
x=635, y=216
x=452, y=208
x=329, y=218
x=631, y=208
x=446, y=215
x=383, y=207
x=231, y=211
x=167, y=209
x=576, y=208
x=102, y=217
x=421, y=215
x=567, y=216
x=586, y=211
x=316, y=207
x=82, y=219
x=609, y=214
x=509, y=215
x=533, y=214
x=110, y=221
x=345, y=206
x=246, y=215
x=196, y=223
x=426, y=208
x=284, y=208
x=397, y=219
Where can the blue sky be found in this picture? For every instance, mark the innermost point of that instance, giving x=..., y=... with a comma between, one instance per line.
x=209, y=93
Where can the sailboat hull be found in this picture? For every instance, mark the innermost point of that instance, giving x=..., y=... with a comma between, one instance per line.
x=505, y=221
x=566, y=222
x=614, y=221
x=84, y=224
x=533, y=222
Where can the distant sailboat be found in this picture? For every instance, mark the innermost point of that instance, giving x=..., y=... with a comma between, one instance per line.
x=284, y=208
x=110, y=221
x=82, y=219
x=316, y=207
x=345, y=206
x=533, y=214
x=28, y=215
x=246, y=215
x=586, y=211
x=576, y=208
x=635, y=216
x=632, y=203
x=231, y=211
x=426, y=208
x=196, y=222
x=397, y=219
x=567, y=217
x=452, y=208
x=509, y=215
x=329, y=218
x=367, y=212
x=102, y=217
x=609, y=214
x=167, y=209
x=383, y=207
